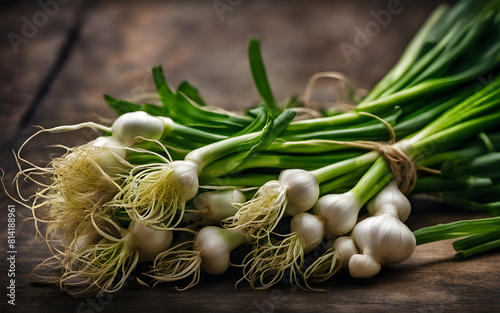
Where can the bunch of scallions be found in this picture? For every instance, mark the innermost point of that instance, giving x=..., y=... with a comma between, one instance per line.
x=186, y=189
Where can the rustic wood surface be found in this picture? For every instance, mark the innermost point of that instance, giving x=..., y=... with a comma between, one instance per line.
x=89, y=48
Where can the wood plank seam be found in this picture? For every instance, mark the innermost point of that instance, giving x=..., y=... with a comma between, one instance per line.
x=63, y=55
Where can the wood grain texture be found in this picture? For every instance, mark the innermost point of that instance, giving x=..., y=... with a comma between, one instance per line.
x=29, y=49
x=118, y=43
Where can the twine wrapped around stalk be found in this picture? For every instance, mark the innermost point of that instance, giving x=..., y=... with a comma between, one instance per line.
x=402, y=166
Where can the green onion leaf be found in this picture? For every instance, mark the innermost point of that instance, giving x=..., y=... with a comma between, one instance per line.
x=120, y=106
x=191, y=92
x=260, y=76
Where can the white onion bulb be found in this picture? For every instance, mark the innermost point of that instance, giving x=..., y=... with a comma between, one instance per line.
x=150, y=242
x=85, y=240
x=133, y=124
x=310, y=228
x=108, y=159
x=363, y=266
x=391, y=199
x=215, y=245
x=383, y=238
x=186, y=175
x=340, y=212
x=218, y=205
x=303, y=190
x=347, y=248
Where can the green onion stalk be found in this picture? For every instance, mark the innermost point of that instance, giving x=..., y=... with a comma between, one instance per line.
x=294, y=192
x=467, y=119
x=174, y=134
x=467, y=169
x=181, y=139
x=185, y=107
x=453, y=47
x=271, y=201
x=275, y=198
x=337, y=214
x=480, y=235
x=479, y=199
x=155, y=194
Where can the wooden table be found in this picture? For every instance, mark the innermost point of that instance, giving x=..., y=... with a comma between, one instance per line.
x=84, y=49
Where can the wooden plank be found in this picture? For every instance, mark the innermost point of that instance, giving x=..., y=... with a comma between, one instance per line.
x=33, y=36
x=120, y=41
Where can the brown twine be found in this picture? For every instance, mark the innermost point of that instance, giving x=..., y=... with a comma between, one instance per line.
x=306, y=113
x=402, y=166
x=343, y=90
x=345, y=87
